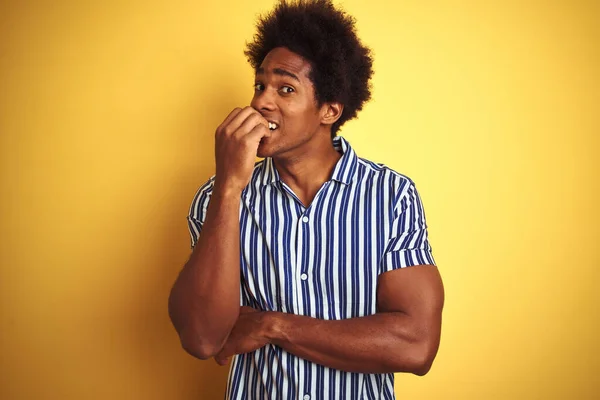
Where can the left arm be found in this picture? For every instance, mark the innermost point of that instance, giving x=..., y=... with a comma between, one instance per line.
x=403, y=336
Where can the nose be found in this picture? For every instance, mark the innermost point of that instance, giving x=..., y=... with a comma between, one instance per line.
x=263, y=100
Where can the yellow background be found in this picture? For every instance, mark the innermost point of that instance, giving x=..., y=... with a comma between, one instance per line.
x=107, y=114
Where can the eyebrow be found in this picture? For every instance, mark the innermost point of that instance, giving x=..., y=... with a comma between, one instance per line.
x=278, y=71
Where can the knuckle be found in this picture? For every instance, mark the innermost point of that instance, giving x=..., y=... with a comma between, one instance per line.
x=257, y=117
x=245, y=140
x=253, y=118
x=228, y=130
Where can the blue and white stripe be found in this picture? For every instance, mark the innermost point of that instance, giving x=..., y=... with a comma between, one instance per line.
x=322, y=261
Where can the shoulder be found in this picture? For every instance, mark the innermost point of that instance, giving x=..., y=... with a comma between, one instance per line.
x=259, y=174
x=201, y=199
x=204, y=192
x=398, y=185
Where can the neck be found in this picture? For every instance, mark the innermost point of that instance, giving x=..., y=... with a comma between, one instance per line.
x=307, y=172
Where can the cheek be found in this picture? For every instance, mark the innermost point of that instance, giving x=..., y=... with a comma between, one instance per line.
x=296, y=113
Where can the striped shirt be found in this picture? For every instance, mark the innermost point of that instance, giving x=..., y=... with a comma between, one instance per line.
x=320, y=261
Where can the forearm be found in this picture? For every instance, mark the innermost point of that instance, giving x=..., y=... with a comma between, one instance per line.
x=380, y=343
x=205, y=299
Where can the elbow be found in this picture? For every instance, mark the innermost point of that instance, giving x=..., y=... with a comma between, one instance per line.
x=422, y=368
x=422, y=359
x=200, y=340
x=416, y=359
x=200, y=348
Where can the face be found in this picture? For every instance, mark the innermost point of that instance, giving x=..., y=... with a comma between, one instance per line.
x=284, y=94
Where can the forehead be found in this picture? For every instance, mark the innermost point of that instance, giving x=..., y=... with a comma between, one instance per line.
x=283, y=58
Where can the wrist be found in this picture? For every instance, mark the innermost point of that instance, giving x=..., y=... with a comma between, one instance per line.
x=273, y=326
x=227, y=189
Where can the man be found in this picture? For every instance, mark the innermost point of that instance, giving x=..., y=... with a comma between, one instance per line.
x=311, y=270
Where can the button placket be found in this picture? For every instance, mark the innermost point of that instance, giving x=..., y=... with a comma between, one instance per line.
x=298, y=270
x=302, y=264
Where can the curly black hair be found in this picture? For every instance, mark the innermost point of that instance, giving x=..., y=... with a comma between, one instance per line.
x=341, y=66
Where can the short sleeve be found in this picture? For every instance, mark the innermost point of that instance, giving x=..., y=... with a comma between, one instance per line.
x=197, y=213
x=408, y=244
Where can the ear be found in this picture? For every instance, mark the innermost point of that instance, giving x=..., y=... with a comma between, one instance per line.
x=331, y=112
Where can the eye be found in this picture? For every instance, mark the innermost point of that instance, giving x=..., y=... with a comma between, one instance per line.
x=287, y=89
x=259, y=87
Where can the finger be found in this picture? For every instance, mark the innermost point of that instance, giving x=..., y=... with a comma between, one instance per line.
x=229, y=118
x=257, y=133
x=239, y=119
x=250, y=123
x=222, y=360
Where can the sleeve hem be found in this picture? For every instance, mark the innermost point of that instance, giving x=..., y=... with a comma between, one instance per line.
x=406, y=258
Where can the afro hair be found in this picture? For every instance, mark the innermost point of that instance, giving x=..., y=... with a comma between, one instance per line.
x=341, y=66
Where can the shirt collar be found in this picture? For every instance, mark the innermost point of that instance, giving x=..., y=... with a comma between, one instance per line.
x=344, y=170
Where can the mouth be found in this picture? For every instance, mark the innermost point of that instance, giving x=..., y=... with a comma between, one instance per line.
x=273, y=126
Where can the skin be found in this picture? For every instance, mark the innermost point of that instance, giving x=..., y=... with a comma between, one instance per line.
x=403, y=336
x=204, y=301
x=301, y=148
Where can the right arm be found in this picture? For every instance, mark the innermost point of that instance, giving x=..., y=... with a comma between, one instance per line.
x=205, y=300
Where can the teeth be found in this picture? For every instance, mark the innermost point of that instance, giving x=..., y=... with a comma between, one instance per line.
x=272, y=125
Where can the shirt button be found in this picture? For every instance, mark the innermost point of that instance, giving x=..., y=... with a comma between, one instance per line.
x=305, y=219
x=304, y=277
x=306, y=397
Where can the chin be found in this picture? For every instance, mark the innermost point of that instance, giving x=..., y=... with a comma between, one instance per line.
x=265, y=150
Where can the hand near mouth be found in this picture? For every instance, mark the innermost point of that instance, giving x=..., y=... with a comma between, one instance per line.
x=236, y=144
